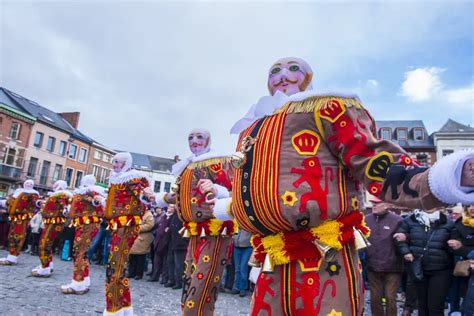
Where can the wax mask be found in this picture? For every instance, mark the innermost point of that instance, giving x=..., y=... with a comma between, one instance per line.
x=199, y=141
x=289, y=75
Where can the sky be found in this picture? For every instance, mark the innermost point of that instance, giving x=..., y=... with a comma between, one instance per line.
x=144, y=73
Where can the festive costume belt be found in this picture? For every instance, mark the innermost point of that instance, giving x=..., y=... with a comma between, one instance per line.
x=55, y=220
x=84, y=220
x=123, y=221
x=310, y=245
x=210, y=227
x=20, y=217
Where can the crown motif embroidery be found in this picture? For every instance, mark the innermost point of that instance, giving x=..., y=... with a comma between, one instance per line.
x=332, y=110
x=306, y=142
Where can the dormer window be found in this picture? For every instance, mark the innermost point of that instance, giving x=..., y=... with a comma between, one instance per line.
x=418, y=134
x=402, y=136
x=386, y=133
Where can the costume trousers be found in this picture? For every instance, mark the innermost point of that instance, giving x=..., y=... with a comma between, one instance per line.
x=48, y=235
x=205, y=261
x=82, y=241
x=17, y=236
x=383, y=284
x=116, y=283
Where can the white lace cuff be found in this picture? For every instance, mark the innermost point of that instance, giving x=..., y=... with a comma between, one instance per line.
x=221, y=209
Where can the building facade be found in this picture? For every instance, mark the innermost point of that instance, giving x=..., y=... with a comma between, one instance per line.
x=453, y=136
x=412, y=136
x=158, y=170
x=100, y=162
x=15, y=131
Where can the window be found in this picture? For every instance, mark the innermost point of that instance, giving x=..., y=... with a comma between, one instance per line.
x=423, y=159
x=10, y=158
x=157, y=186
x=447, y=152
x=57, y=172
x=44, y=172
x=106, y=157
x=386, y=133
x=401, y=134
x=50, y=144
x=32, y=167
x=72, y=152
x=95, y=170
x=97, y=155
x=167, y=186
x=68, y=177
x=78, y=178
x=418, y=134
x=15, y=131
x=38, y=139
x=62, y=147
x=82, y=155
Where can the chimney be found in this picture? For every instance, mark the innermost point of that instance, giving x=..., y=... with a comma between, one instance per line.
x=72, y=118
x=176, y=158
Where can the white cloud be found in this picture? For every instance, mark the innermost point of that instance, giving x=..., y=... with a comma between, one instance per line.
x=461, y=96
x=372, y=83
x=425, y=84
x=422, y=84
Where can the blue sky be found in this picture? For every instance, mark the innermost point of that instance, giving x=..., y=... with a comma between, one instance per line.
x=145, y=73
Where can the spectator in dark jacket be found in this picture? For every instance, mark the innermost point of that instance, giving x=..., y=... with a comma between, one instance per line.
x=462, y=244
x=384, y=264
x=425, y=235
x=176, y=252
x=160, y=246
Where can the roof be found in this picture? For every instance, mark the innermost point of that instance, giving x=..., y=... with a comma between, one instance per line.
x=7, y=103
x=143, y=161
x=41, y=113
x=409, y=125
x=452, y=126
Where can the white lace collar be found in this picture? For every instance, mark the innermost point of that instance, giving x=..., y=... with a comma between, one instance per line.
x=126, y=176
x=179, y=167
x=267, y=105
x=23, y=190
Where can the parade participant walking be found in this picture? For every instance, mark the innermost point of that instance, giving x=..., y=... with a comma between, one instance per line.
x=301, y=161
x=21, y=206
x=85, y=212
x=209, y=247
x=124, y=209
x=53, y=212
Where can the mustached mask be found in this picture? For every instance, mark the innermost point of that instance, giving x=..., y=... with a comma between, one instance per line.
x=122, y=162
x=28, y=184
x=289, y=75
x=88, y=181
x=199, y=140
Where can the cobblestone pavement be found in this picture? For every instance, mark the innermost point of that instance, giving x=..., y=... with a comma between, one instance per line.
x=22, y=294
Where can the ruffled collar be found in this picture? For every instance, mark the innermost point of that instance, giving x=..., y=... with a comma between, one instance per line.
x=60, y=192
x=126, y=176
x=179, y=167
x=92, y=188
x=23, y=190
x=267, y=105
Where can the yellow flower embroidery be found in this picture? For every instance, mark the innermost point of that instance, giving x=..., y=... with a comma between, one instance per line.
x=190, y=304
x=206, y=259
x=289, y=198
